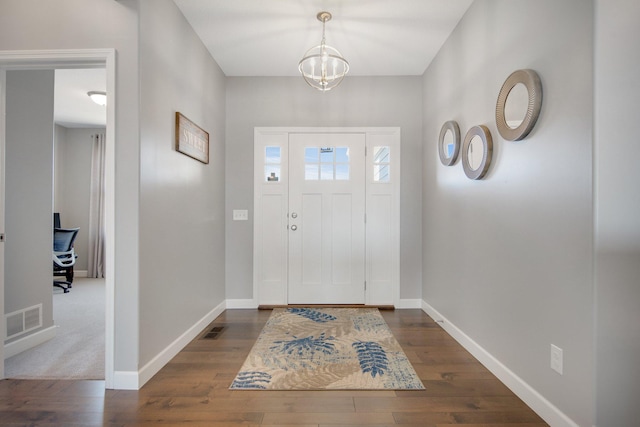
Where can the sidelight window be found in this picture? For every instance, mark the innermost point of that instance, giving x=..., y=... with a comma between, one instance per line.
x=272, y=160
x=381, y=164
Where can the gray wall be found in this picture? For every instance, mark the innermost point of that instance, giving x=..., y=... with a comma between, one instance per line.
x=288, y=101
x=181, y=199
x=66, y=24
x=617, y=206
x=28, y=193
x=72, y=185
x=509, y=259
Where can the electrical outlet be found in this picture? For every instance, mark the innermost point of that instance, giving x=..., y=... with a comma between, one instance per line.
x=556, y=359
x=240, y=215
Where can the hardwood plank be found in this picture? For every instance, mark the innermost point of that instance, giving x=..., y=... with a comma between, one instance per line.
x=254, y=404
x=438, y=404
x=177, y=416
x=324, y=417
x=466, y=418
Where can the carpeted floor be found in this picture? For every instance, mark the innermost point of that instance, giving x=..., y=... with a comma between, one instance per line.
x=77, y=351
x=326, y=349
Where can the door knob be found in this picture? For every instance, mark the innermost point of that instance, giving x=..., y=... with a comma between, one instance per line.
x=294, y=227
x=294, y=215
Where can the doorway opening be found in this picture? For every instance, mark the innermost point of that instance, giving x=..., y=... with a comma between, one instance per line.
x=69, y=59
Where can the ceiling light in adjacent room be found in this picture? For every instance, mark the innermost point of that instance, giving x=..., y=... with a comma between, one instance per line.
x=323, y=67
x=99, y=98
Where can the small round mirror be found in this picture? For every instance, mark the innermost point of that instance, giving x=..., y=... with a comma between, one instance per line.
x=515, y=108
x=475, y=153
x=449, y=143
x=477, y=150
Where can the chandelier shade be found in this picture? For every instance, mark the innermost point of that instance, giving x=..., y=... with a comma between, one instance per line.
x=322, y=66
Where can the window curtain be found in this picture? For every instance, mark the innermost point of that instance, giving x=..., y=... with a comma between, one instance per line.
x=95, y=267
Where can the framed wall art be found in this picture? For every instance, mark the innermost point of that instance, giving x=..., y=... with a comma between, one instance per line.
x=191, y=139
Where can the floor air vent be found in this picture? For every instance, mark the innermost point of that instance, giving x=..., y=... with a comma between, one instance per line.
x=24, y=320
x=213, y=333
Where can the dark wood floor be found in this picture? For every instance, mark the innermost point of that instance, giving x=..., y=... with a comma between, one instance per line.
x=193, y=389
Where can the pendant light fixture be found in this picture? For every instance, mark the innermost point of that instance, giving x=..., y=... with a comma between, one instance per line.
x=323, y=67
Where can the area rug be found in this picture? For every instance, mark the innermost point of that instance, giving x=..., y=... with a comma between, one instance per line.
x=326, y=349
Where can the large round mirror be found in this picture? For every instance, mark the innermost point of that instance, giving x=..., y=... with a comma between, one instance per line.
x=515, y=108
x=477, y=150
x=449, y=143
x=519, y=103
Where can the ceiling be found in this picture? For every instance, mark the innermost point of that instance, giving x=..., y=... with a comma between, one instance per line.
x=377, y=37
x=269, y=37
x=72, y=106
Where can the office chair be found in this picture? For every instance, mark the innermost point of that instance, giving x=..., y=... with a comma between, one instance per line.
x=64, y=257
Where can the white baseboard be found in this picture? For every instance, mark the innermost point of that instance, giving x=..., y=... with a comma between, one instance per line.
x=242, y=303
x=410, y=303
x=131, y=380
x=30, y=341
x=545, y=409
x=126, y=380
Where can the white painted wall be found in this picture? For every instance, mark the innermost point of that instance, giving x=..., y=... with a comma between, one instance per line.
x=181, y=199
x=509, y=259
x=29, y=197
x=617, y=207
x=72, y=192
x=288, y=101
x=81, y=24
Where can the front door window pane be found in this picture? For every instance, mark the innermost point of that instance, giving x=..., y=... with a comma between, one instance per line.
x=342, y=172
x=326, y=155
x=311, y=172
x=311, y=155
x=326, y=172
x=342, y=155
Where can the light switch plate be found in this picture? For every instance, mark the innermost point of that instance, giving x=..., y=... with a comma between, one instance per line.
x=240, y=215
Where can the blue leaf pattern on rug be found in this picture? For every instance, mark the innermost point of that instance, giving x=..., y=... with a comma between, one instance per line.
x=252, y=380
x=372, y=357
x=314, y=315
x=306, y=346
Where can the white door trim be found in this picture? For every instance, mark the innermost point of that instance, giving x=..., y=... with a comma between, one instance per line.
x=77, y=58
x=270, y=280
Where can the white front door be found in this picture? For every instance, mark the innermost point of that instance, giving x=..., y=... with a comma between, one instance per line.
x=326, y=218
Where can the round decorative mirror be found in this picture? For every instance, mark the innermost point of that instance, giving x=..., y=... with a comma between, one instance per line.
x=477, y=150
x=519, y=104
x=449, y=143
x=475, y=153
x=515, y=108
